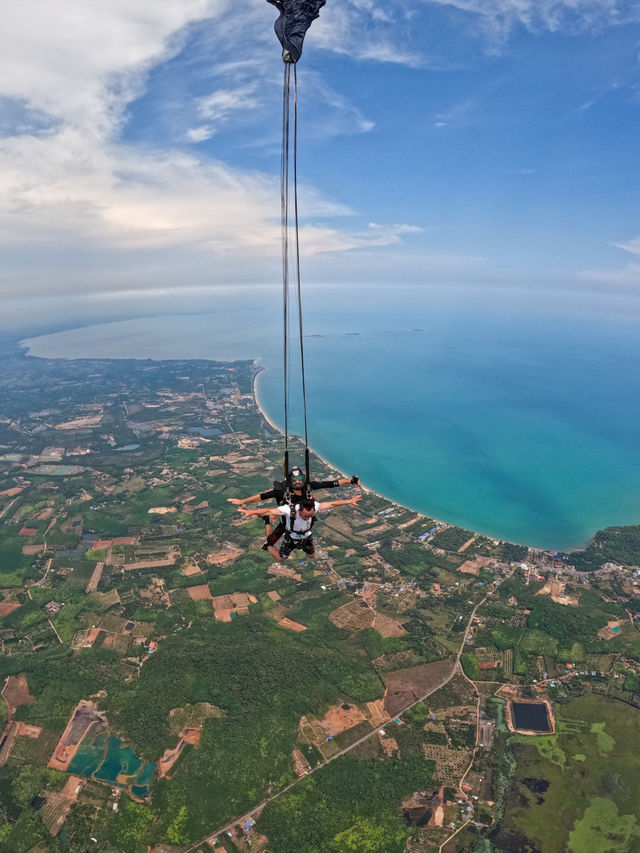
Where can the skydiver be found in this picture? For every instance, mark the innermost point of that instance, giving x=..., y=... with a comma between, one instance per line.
x=288, y=492
x=298, y=522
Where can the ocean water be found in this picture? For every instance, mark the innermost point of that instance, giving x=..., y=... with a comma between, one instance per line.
x=516, y=416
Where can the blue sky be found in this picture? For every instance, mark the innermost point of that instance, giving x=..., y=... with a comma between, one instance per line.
x=444, y=143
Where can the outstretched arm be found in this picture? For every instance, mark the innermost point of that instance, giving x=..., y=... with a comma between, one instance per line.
x=238, y=501
x=261, y=496
x=328, y=504
x=260, y=512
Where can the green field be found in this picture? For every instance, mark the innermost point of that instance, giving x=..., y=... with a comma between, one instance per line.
x=592, y=801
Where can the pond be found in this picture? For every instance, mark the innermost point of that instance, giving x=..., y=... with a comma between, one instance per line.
x=531, y=716
x=104, y=757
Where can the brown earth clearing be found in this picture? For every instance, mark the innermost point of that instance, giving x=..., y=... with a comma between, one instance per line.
x=199, y=593
x=339, y=718
x=293, y=626
x=388, y=627
x=472, y=567
x=226, y=554
x=7, y=607
x=354, y=616
x=16, y=692
x=405, y=686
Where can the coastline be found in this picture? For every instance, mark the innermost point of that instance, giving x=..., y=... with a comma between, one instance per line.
x=259, y=370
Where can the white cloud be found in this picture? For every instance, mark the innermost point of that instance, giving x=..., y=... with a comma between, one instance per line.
x=632, y=246
x=365, y=30
x=70, y=187
x=499, y=17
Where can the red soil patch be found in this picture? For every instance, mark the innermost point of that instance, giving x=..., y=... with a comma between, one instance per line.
x=28, y=531
x=339, y=719
x=354, y=616
x=118, y=540
x=225, y=555
x=405, y=686
x=191, y=570
x=29, y=550
x=199, y=593
x=12, y=492
x=7, y=607
x=388, y=627
x=191, y=736
x=389, y=746
x=466, y=544
x=16, y=692
x=289, y=623
x=472, y=567
x=274, y=596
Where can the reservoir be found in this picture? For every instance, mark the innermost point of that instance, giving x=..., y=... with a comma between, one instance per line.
x=104, y=757
x=530, y=716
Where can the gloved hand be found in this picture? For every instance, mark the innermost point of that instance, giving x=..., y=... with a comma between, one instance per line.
x=355, y=480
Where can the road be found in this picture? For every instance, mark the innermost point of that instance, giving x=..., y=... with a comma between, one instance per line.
x=256, y=810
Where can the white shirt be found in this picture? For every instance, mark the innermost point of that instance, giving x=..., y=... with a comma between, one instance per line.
x=301, y=526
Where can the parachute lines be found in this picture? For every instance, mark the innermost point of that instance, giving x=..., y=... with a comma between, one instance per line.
x=291, y=253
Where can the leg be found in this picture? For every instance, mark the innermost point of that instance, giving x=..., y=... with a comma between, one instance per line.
x=273, y=534
x=309, y=548
x=275, y=553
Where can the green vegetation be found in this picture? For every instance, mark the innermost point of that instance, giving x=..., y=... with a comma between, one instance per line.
x=348, y=805
x=613, y=544
x=601, y=829
x=586, y=764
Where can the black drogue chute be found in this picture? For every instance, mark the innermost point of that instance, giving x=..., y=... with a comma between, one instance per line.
x=296, y=16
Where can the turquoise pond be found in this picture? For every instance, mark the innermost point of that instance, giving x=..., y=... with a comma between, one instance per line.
x=105, y=758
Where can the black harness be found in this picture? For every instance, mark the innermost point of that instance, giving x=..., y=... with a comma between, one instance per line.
x=289, y=520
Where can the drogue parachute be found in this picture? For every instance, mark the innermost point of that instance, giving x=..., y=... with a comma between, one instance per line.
x=296, y=16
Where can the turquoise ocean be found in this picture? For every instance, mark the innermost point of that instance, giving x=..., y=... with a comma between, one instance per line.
x=513, y=415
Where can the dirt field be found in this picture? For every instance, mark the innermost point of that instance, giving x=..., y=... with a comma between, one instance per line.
x=472, y=567
x=284, y=572
x=188, y=571
x=226, y=554
x=293, y=626
x=388, y=627
x=16, y=693
x=200, y=593
x=30, y=550
x=7, y=607
x=466, y=544
x=376, y=713
x=300, y=763
x=339, y=719
x=405, y=686
x=354, y=616
x=389, y=746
